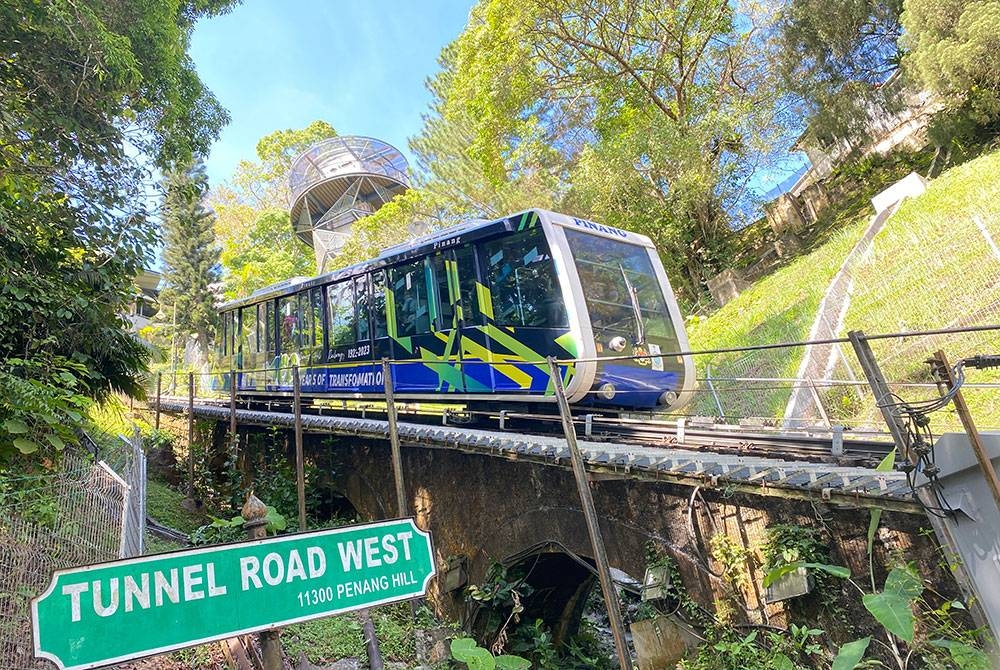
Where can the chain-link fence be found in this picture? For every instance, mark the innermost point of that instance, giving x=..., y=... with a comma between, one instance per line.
x=84, y=513
x=953, y=268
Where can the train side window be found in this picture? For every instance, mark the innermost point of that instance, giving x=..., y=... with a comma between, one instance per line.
x=340, y=299
x=361, y=307
x=290, y=324
x=221, y=347
x=248, y=319
x=465, y=262
x=409, y=292
x=379, y=322
x=305, y=321
x=523, y=283
x=441, y=293
x=319, y=323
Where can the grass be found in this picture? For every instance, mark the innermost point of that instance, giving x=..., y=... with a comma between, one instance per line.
x=334, y=638
x=930, y=267
x=779, y=308
x=163, y=503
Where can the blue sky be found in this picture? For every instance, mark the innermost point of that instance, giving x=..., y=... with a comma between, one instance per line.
x=361, y=66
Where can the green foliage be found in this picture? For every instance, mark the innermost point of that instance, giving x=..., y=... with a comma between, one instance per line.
x=93, y=95
x=731, y=651
x=835, y=56
x=233, y=530
x=851, y=654
x=789, y=543
x=465, y=650
x=734, y=558
x=964, y=656
x=952, y=50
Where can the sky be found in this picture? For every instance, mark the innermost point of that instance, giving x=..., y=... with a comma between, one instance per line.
x=360, y=65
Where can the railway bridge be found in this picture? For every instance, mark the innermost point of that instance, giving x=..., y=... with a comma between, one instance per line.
x=491, y=496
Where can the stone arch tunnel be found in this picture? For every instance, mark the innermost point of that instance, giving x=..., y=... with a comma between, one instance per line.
x=484, y=509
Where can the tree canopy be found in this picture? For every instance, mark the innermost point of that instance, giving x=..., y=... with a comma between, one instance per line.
x=93, y=97
x=646, y=115
x=953, y=48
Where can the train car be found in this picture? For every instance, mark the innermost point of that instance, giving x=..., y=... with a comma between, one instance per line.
x=469, y=314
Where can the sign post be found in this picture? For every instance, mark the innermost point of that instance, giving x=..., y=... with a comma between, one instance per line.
x=114, y=612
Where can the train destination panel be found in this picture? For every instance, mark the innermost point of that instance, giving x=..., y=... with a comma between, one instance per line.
x=111, y=612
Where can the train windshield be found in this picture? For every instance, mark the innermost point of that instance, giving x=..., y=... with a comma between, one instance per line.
x=621, y=289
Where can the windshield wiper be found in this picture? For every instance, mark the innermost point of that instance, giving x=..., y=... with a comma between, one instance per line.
x=640, y=335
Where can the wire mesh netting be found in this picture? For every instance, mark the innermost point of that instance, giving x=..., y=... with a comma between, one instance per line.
x=954, y=269
x=85, y=513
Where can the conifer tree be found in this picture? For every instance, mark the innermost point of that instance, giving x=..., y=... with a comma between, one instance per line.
x=190, y=255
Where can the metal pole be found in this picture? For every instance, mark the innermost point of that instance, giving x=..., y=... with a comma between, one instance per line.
x=159, y=386
x=970, y=428
x=300, y=472
x=880, y=389
x=819, y=402
x=397, y=465
x=254, y=520
x=375, y=661
x=593, y=526
x=883, y=397
x=711, y=387
x=232, y=404
x=191, y=435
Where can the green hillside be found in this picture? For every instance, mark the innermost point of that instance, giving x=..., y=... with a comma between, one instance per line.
x=930, y=267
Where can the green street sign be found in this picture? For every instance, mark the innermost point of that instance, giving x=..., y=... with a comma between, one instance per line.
x=112, y=612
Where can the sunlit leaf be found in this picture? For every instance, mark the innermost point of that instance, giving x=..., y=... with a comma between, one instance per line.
x=892, y=611
x=851, y=654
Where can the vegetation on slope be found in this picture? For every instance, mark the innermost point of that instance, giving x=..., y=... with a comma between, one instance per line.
x=931, y=267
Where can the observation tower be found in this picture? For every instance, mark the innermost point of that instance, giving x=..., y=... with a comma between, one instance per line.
x=339, y=181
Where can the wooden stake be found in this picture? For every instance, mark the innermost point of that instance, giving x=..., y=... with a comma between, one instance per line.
x=300, y=471
x=593, y=525
x=159, y=386
x=191, y=435
x=989, y=473
x=397, y=466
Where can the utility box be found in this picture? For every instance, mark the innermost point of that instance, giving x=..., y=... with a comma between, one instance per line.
x=660, y=642
x=973, y=531
x=790, y=585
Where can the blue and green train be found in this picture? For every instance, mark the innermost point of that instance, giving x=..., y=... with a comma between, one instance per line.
x=469, y=314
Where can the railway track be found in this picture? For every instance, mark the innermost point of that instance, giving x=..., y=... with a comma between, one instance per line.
x=816, y=446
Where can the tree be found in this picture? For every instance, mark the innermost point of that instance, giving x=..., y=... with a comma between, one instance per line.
x=259, y=246
x=954, y=50
x=835, y=56
x=93, y=96
x=650, y=115
x=190, y=255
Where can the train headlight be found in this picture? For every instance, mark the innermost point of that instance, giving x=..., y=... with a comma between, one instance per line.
x=667, y=398
x=606, y=391
x=617, y=343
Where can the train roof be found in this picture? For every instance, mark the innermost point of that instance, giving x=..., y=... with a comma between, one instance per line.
x=466, y=231
x=420, y=246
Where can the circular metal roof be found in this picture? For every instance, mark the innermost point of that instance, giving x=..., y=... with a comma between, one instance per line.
x=348, y=172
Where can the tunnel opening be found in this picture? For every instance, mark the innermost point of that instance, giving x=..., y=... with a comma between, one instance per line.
x=546, y=602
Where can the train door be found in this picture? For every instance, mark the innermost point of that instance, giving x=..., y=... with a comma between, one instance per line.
x=271, y=360
x=350, y=367
x=250, y=357
x=525, y=315
x=477, y=371
x=422, y=326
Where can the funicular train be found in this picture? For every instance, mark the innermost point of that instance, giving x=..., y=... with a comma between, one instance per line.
x=469, y=314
